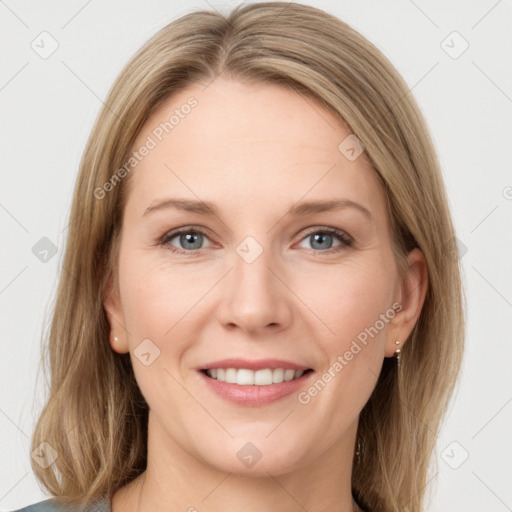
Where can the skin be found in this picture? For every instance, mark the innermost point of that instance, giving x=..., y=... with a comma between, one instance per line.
x=254, y=150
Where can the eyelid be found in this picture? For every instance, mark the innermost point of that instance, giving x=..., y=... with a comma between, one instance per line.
x=343, y=236
x=326, y=229
x=173, y=233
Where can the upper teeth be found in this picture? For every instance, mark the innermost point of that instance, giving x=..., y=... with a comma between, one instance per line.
x=246, y=377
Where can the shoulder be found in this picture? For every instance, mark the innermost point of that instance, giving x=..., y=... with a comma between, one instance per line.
x=42, y=506
x=52, y=505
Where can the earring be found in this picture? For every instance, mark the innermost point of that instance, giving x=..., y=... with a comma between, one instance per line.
x=116, y=339
x=397, y=353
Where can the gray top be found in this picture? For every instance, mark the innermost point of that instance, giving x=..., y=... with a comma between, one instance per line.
x=52, y=505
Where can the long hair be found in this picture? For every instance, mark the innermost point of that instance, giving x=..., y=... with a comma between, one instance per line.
x=95, y=417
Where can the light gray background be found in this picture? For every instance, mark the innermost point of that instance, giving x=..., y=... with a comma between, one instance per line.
x=48, y=108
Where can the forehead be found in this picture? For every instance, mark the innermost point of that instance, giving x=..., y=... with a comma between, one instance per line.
x=244, y=141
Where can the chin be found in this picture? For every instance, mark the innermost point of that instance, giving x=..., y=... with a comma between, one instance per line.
x=257, y=457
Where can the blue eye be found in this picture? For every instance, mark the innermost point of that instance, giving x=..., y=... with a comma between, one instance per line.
x=190, y=240
x=322, y=239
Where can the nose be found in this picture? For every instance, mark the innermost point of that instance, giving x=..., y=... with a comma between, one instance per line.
x=255, y=298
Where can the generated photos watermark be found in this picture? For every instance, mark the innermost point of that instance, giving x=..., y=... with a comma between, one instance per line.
x=304, y=397
x=157, y=135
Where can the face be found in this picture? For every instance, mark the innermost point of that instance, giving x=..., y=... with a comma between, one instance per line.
x=257, y=276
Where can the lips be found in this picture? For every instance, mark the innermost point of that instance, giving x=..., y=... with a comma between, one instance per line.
x=269, y=384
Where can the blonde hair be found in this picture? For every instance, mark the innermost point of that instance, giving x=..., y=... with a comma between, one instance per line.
x=95, y=416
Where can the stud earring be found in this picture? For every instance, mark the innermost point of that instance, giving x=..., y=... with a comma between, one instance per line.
x=116, y=339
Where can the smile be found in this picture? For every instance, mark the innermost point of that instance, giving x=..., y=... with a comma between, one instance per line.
x=254, y=388
x=246, y=377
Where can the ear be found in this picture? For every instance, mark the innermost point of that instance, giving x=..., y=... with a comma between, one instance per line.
x=411, y=297
x=112, y=305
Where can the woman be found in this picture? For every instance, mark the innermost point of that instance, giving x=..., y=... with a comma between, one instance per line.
x=259, y=307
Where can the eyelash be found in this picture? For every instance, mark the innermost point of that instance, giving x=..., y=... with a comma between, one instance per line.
x=346, y=240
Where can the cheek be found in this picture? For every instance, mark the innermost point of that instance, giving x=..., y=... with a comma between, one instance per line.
x=356, y=305
x=157, y=299
x=158, y=305
x=349, y=299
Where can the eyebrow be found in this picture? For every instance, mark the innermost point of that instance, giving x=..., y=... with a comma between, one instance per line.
x=209, y=209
